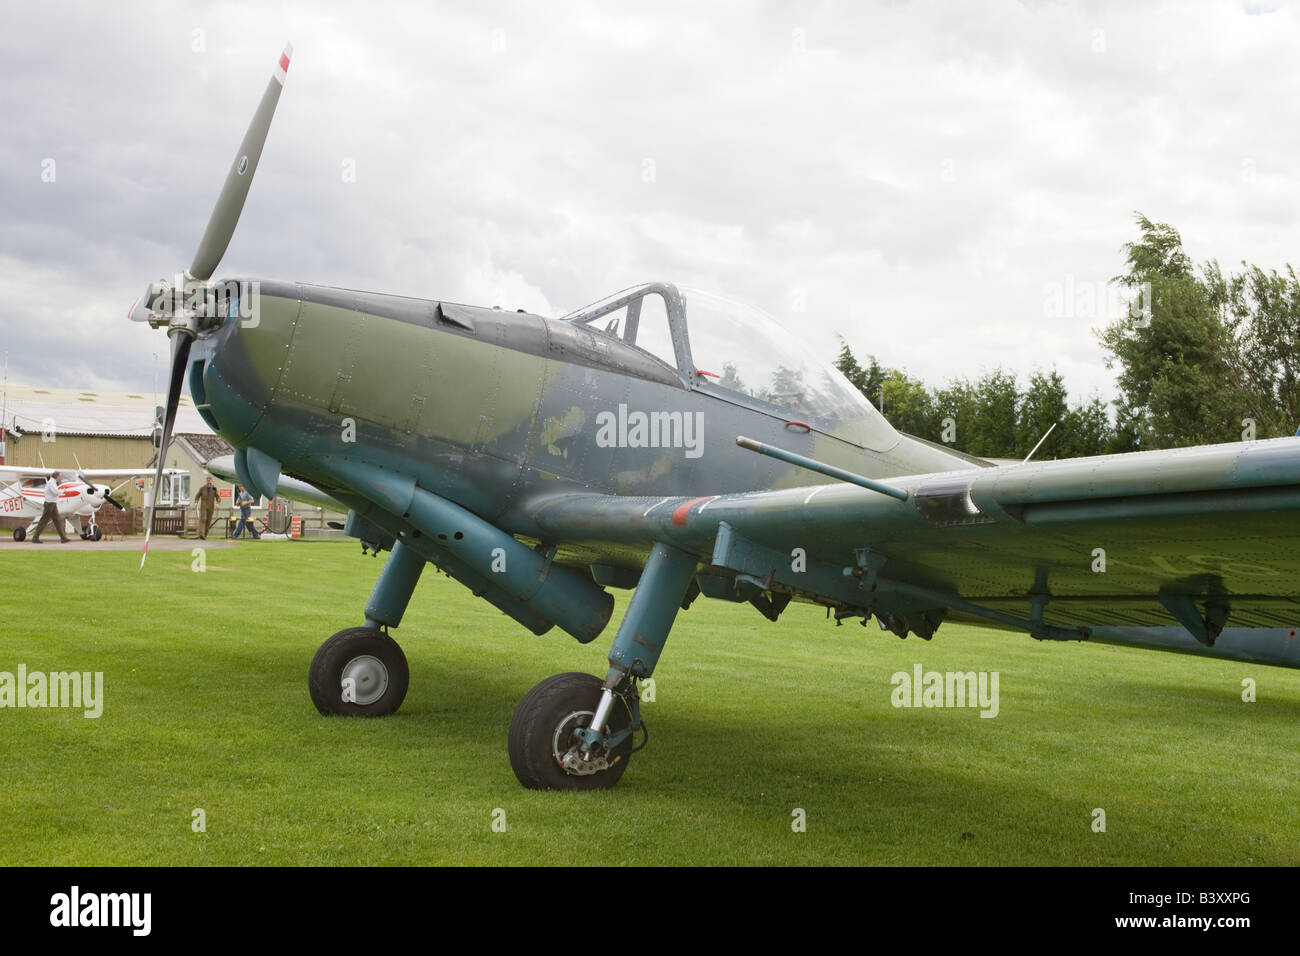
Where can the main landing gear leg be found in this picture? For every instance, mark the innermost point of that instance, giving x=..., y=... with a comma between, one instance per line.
x=361, y=671
x=573, y=732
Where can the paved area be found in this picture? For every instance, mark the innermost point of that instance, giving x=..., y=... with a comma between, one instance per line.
x=160, y=543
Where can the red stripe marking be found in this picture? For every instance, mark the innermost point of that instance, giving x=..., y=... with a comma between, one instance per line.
x=65, y=491
x=284, y=62
x=680, y=512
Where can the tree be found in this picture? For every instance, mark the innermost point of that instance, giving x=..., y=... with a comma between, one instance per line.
x=1204, y=358
x=866, y=380
x=1262, y=311
x=1177, y=381
x=909, y=406
x=1044, y=409
x=989, y=417
x=1086, y=430
x=991, y=430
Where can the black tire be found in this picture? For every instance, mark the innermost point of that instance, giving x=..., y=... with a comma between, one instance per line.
x=376, y=665
x=20, y=534
x=537, y=739
x=96, y=534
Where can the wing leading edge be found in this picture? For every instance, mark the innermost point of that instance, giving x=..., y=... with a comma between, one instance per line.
x=1202, y=538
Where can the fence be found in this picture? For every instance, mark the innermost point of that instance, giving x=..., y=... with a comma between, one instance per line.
x=314, y=522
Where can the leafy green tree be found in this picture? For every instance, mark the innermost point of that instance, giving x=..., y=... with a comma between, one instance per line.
x=957, y=407
x=1044, y=410
x=1086, y=430
x=866, y=380
x=989, y=417
x=908, y=405
x=1262, y=311
x=992, y=433
x=1176, y=352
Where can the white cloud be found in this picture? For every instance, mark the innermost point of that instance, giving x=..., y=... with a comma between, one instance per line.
x=916, y=173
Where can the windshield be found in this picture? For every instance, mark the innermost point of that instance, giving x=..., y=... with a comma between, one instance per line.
x=740, y=353
x=742, y=349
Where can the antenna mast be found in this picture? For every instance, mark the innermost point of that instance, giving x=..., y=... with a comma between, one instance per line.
x=4, y=408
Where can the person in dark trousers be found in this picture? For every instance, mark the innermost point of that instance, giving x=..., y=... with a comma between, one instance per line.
x=244, y=501
x=51, y=511
x=208, y=496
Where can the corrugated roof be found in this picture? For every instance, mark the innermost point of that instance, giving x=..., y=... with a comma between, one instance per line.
x=78, y=412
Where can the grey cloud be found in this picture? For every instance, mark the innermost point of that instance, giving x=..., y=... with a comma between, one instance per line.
x=933, y=163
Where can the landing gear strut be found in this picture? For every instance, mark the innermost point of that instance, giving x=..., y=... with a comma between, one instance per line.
x=361, y=671
x=574, y=731
x=547, y=750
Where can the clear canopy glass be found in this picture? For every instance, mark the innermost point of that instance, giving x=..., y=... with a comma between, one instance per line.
x=743, y=349
x=739, y=353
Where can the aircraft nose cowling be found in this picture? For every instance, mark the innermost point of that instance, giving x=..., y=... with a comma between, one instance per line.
x=234, y=369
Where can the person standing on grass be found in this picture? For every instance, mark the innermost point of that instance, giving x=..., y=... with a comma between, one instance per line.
x=51, y=511
x=244, y=501
x=208, y=496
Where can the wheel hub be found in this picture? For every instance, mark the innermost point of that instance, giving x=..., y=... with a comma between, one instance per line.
x=568, y=750
x=369, y=679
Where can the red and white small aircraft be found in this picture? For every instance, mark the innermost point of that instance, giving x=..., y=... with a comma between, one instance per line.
x=23, y=495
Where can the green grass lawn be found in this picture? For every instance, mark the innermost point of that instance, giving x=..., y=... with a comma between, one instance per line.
x=206, y=706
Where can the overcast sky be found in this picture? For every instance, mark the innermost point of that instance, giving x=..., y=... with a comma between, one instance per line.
x=945, y=185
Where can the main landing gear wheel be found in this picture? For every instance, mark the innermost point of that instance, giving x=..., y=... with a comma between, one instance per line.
x=545, y=754
x=20, y=534
x=359, y=672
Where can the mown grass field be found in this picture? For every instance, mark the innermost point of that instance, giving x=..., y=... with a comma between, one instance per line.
x=207, y=707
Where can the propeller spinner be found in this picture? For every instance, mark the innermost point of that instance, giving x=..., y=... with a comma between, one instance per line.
x=181, y=306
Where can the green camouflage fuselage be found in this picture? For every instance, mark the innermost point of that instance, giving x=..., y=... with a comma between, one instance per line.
x=495, y=410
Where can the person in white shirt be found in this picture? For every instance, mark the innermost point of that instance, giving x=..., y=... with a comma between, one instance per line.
x=51, y=512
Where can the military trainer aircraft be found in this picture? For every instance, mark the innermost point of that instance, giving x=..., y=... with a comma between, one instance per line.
x=680, y=445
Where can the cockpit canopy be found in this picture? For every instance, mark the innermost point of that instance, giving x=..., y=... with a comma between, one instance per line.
x=738, y=353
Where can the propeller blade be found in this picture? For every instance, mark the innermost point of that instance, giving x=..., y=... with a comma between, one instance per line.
x=181, y=342
x=114, y=502
x=225, y=215
x=139, y=311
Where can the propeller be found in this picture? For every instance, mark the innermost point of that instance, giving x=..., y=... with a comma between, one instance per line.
x=105, y=493
x=225, y=215
x=109, y=492
x=173, y=304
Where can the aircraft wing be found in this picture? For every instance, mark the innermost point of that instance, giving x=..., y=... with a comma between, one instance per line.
x=286, y=487
x=12, y=473
x=1199, y=538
